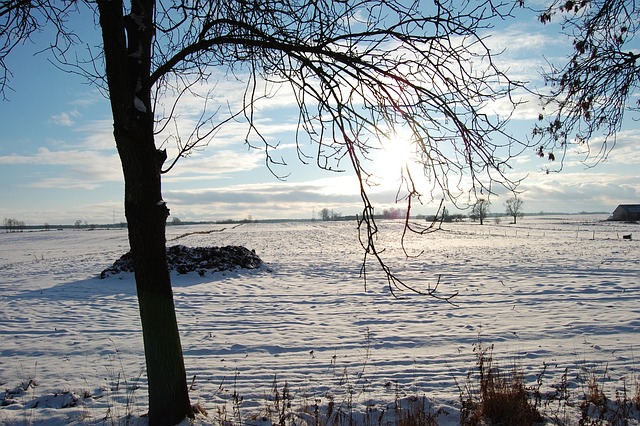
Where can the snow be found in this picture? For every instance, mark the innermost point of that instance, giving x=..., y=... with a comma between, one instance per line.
x=559, y=291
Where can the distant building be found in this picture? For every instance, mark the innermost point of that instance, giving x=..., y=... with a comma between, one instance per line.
x=626, y=212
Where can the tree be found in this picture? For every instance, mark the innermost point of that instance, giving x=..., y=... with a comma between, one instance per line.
x=480, y=209
x=325, y=214
x=514, y=208
x=13, y=225
x=358, y=70
x=393, y=213
x=591, y=92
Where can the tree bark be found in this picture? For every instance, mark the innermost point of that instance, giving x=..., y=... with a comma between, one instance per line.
x=127, y=49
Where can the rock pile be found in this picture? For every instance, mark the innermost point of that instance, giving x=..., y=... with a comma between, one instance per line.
x=185, y=259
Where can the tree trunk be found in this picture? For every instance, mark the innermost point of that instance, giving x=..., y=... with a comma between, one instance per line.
x=127, y=51
x=146, y=217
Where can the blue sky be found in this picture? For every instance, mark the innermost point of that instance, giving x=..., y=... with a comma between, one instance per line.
x=58, y=162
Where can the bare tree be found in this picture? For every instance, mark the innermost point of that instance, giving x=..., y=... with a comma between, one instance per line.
x=393, y=213
x=481, y=209
x=590, y=94
x=358, y=70
x=325, y=214
x=13, y=225
x=514, y=207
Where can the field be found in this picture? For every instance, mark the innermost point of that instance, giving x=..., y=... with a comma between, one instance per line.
x=552, y=293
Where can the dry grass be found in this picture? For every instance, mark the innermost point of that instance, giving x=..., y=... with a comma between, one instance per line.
x=495, y=396
x=417, y=413
x=620, y=409
x=282, y=408
x=490, y=396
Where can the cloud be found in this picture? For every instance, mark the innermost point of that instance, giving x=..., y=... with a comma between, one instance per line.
x=528, y=106
x=96, y=135
x=268, y=200
x=67, y=183
x=625, y=150
x=66, y=213
x=65, y=119
x=337, y=188
x=66, y=168
x=519, y=39
x=574, y=192
x=522, y=50
x=212, y=163
x=88, y=98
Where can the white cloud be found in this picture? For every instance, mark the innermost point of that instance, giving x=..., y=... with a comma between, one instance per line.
x=70, y=168
x=267, y=200
x=574, y=192
x=65, y=119
x=96, y=135
x=211, y=163
x=66, y=182
x=625, y=151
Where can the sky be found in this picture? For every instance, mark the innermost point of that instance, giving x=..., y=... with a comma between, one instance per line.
x=58, y=162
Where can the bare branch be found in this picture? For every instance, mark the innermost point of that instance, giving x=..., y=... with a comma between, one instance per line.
x=21, y=19
x=358, y=70
x=406, y=65
x=590, y=93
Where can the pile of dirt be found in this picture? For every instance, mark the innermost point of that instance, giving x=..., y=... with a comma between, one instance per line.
x=185, y=259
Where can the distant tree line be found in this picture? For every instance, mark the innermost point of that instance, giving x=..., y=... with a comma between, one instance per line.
x=447, y=217
x=394, y=213
x=479, y=212
x=13, y=225
x=326, y=214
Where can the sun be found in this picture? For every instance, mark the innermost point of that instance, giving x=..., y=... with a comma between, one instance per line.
x=397, y=154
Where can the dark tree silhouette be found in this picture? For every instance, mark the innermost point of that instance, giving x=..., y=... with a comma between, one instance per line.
x=481, y=209
x=514, y=207
x=358, y=70
x=590, y=94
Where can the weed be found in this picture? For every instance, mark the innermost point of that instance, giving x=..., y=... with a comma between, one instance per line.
x=278, y=405
x=500, y=397
x=117, y=381
x=556, y=402
x=598, y=409
x=226, y=417
x=489, y=396
x=416, y=412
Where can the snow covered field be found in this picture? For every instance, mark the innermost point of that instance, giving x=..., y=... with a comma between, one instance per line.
x=560, y=290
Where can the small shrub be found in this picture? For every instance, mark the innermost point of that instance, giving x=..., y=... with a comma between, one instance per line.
x=417, y=412
x=501, y=398
x=598, y=409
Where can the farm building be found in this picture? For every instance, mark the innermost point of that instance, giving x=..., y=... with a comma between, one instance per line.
x=626, y=212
